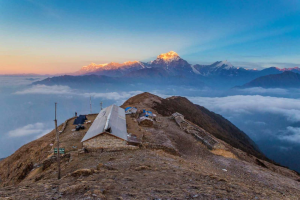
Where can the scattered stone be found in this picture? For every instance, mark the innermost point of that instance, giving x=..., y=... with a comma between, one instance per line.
x=143, y=167
x=82, y=172
x=99, y=166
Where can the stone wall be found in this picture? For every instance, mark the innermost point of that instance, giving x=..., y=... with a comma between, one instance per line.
x=65, y=124
x=104, y=141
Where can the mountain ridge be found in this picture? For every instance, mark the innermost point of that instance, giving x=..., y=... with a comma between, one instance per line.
x=171, y=60
x=169, y=69
x=287, y=79
x=170, y=162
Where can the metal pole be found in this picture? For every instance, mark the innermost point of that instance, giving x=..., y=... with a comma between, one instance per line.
x=91, y=104
x=57, y=140
x=101, y=105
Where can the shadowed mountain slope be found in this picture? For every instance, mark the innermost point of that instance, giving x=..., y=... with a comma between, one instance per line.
x=286, y=79
x=169, y=162
x=211, y=122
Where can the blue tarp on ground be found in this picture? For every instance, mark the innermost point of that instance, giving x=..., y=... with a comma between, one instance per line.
x=130, y=110
x=80, y=120
x=147, y=113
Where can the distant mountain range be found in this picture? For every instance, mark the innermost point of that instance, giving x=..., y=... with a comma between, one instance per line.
x=168, y=64
x=287, y=79
x=169, y=68
x=172, y=64
x=110, y=69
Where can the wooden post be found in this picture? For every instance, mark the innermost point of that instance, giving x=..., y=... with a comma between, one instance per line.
x=57, y=140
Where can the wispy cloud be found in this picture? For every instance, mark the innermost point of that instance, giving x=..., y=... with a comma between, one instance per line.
x=283, y=148
x=247, y=65
x=262, y=117
x=46, y=9
x=284, y=65
x=37, y=129
x=292, y=134
x=66, y=90
x=9, y=81
x=239, y=38
x=257, y=123
x=260, y=90
x=248, y=104
x=43, y=89
x=113, y=95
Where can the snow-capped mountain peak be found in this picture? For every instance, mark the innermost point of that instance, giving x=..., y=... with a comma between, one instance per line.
x=111, y=69
x=130, y=62
x=224, y=64
x=93, y=66
x=134, y=63
x=170, y=62
x=168, y=57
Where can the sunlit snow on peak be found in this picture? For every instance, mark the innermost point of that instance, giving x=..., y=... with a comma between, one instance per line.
x=226, y=64
x=170, y=56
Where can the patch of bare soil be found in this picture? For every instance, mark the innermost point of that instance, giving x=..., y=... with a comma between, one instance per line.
x=224, y=153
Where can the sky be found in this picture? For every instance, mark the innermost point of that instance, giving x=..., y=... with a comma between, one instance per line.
x=61, y=36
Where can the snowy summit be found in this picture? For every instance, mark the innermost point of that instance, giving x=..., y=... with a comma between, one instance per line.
x=225, y=64
x=169, y=57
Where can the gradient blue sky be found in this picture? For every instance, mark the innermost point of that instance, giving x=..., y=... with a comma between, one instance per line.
x=60, y=36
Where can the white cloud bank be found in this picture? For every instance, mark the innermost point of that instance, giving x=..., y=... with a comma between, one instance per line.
x=44, y=89
x=66, y=90
x=37, y=129
x=248, y=104
x=260, y=90
x=293, y=134
x=113, y=95
x=18, y=80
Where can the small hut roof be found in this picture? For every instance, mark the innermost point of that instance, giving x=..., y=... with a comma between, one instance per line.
x=110, y=120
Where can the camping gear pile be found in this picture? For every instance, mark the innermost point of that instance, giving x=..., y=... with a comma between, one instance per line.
x=130, y=110
x=146, y=118
x=79, y=127
x=79, y=121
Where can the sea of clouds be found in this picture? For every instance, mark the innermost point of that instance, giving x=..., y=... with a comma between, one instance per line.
x=269, y=116
x=66, y=90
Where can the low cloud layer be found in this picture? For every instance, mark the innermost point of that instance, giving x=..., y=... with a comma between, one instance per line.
x=248, y=104
x=18, y=81
x=260, y=90
x=43, y=89
x=113, y=95
x=292, y=134
x=66, y=90
x=37, y=129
